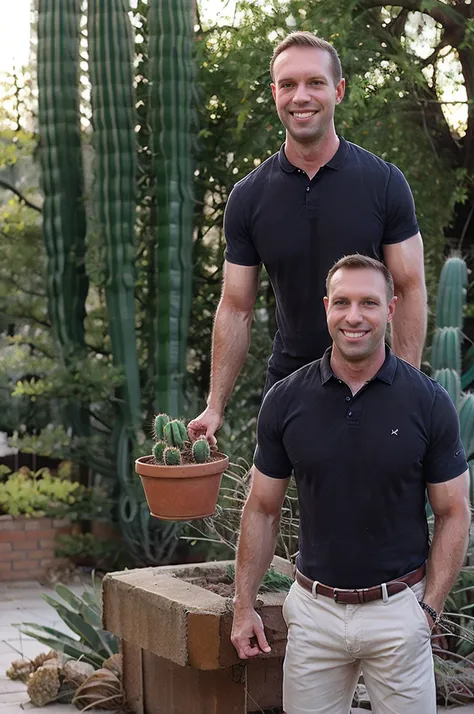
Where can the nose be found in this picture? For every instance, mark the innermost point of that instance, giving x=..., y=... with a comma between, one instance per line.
x=354, y=316
x=301, y=95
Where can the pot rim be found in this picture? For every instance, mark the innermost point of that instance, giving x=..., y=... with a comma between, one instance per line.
x=145, y=467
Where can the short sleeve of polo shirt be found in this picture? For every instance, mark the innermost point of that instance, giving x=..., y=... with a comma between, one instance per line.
x=400, y=222
x=270, y=455
x=239, y=246
x=445, y=458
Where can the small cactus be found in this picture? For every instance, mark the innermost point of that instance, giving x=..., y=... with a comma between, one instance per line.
x=172, y=456
x=175, y=433
x=158, y=449
x=201, y=450
x=160, y=422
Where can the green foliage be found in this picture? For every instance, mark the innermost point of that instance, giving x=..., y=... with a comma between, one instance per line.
x=40, y=493
x=172, y=456
x=201, y=450
x=85, y=546
x=83, y=615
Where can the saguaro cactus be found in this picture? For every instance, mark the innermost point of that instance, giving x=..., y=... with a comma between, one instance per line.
x=446, y=350
x=170, y=24
x=113, y=114
x=62, y=179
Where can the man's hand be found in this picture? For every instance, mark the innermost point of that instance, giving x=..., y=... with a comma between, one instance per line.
x=248, y=626
x=206, y=424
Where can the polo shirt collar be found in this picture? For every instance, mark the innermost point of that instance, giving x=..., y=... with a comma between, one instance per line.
x=386, y=372
x=336, y=162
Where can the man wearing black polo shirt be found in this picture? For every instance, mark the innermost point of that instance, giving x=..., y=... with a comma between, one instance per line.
x=318, y=198
x=366, y=435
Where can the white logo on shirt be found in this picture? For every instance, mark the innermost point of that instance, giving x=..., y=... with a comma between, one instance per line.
x=394, y=432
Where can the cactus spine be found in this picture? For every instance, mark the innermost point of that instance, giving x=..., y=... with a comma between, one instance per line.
x=201, y=450
x=172, y=456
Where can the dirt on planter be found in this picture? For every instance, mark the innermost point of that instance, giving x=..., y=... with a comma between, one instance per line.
x=217, y=582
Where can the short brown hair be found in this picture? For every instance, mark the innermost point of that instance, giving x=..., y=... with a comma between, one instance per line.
x=362, y=261
x=307, y=39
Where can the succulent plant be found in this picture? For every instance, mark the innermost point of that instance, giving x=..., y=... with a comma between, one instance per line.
x=201, y=450
x=172, y=446
x=175, y=433
x=172, y=456
x=158, y=450
x=160, y=422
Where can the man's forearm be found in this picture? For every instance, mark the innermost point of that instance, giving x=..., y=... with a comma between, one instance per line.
x=258, y=532
x=230, y=346
x=409, y=325
x=447, y=553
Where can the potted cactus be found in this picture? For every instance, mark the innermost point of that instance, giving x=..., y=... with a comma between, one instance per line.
x=181, y=480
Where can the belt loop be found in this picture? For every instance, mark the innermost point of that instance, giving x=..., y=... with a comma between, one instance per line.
x=314, y=591
x=384, y=592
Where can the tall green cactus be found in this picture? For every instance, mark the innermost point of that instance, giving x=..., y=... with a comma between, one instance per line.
x=62, y=180
x=446, y=350
x=114, y=119
x=170, y=24
x=111, y=56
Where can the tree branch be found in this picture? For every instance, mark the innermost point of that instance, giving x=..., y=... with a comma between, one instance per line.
x=17, y=192
x=444, y=14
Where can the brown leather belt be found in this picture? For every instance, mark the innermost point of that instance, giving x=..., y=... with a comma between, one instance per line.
x=357, y=597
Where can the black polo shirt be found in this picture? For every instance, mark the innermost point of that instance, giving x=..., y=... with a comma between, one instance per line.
x=299, y=228
x=361, y=465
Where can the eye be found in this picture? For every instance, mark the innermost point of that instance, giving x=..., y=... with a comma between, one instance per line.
x=316, y=81
x=370, y=303
x=339, y=302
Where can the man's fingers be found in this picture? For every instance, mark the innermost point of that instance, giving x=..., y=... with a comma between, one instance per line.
x=262, y=640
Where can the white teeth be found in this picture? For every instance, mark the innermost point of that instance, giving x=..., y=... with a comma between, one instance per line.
x=303, y=115
x=354, y=334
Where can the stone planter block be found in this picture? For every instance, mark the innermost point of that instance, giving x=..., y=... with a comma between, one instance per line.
x=176, y=643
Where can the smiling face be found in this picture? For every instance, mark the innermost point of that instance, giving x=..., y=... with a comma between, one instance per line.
x=305, y=92
x=357, y=311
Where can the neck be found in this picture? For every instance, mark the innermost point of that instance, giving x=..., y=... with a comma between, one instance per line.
x=310, y=157
x=356, y=373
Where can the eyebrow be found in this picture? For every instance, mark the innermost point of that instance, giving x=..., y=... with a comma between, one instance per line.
x=310, y=79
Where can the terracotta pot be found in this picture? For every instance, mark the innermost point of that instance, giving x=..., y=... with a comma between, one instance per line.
x=181, y=493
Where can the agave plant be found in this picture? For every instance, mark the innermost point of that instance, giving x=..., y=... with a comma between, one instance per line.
x=83, y=615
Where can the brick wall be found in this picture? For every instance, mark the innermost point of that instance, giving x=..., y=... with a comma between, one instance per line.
x=27, y=545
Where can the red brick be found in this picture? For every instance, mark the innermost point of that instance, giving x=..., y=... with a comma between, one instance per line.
x=62, y=523
x=46, y=561
x=38, y=524
x=37, y=535
x=25, y=545
x=48, y=543
x=39, y=554
x=16, y=536
x=5, y=565
x=12, y=525
x=5, y=546
x=17, y=555
x=25, y=565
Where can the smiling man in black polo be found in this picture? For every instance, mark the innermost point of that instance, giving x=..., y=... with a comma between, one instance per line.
x=366, y=435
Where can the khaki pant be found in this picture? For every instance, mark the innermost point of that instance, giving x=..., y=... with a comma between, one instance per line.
x=329, y=644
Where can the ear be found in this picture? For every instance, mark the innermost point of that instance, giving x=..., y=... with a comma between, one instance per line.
x=326, y=304
x=391, y=308
x=273, y=88
x=340, y=91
